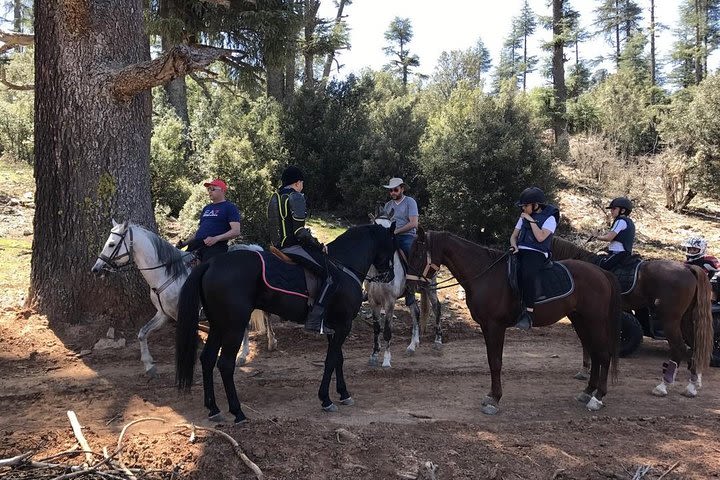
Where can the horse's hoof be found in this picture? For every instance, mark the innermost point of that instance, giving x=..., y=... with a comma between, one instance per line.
x=240, y=419
x=660, y=390
x=583, y=397
x=332, y=408
x=151, y=372
x=215, y=417
x=581, y=375
x=373, y=361
x=347, y=401
x=488, y=400
x=410, y=351
x=437, y=346
x=240, y=361
x=594, y=404
x=690, y=391
x=489, y=409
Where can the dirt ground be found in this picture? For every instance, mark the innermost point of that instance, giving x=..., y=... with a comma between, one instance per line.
x=426, y=408
x=423, y=409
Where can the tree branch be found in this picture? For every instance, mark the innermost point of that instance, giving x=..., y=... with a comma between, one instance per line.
x=180, y=60
x=13, y=86
x=13, y=39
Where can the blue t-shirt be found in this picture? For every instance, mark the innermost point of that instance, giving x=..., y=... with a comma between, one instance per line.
x=215, y=219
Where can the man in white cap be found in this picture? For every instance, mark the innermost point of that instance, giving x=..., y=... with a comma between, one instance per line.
x=405, y=214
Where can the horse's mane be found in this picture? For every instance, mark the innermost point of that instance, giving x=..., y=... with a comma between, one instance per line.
x=166, y=253
x=350, y=236
x=565, y=249
x=491, y=252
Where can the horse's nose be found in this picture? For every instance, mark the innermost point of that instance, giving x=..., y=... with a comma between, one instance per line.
x=97, y=268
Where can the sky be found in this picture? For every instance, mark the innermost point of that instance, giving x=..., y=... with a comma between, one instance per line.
x=457, y=24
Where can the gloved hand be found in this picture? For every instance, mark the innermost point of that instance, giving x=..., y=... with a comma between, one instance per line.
x=180, y=244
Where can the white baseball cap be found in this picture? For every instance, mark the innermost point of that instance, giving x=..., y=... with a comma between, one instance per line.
x=394, y=183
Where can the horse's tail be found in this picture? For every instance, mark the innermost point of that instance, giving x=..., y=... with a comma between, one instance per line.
x=702, y=320
x=257, y=321
x=187, y=327
x=615, y=315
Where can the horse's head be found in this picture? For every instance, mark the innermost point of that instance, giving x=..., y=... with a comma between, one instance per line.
x=420, y=266
x=117, y=251
x=385, y=252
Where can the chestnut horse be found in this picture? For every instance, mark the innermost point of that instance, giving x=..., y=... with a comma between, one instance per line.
x=679, y=297
x=593, y=306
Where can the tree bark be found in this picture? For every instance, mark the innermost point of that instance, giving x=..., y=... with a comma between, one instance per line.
x=331, y=56
x=653, y=64
x=310, y=11
x=91, y=155
x=558, y=72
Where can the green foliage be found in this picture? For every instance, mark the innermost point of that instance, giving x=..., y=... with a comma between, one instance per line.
x=398, y=35
x=168, y=168
x=691, y=126
x=393, y=138
x=17, y=107
x=461, y=65
x=625, y=113
x=479, y=152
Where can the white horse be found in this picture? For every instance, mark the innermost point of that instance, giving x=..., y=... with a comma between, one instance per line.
x=382, y=296
x=165, y=269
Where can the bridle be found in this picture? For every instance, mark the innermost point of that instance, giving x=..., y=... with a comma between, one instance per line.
x=111, y=262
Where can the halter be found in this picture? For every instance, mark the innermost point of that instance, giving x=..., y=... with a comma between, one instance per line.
x=431, y=269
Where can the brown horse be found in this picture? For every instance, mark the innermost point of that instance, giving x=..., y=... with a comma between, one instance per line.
x=593, y=307
x=679, y=297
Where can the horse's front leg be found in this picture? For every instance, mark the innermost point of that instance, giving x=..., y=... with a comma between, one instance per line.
x=208, y=357
x=345, y=398
x=436, y=307
x=157, y=321
x=373, y=362
x=415, y=339
x=494, y=343
x=387, y=335
x=331, y=359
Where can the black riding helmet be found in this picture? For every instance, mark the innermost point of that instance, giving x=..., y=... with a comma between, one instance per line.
x=622, y=203
x=531, y=195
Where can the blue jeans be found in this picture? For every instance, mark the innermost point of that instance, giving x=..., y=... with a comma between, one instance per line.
x=404, y=241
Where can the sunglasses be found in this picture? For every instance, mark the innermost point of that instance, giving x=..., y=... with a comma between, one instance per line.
x=394, y=190
x=212, y=189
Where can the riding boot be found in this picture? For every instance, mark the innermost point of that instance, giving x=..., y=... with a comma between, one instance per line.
x=315, y=321
x=316, y=318
x=525, y=321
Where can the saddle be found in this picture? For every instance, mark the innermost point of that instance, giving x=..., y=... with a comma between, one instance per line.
x=552, y=282
x=281, y=274
x=627, y=273
x=278, y=253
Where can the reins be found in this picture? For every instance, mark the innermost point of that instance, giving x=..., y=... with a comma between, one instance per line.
x=430, y=265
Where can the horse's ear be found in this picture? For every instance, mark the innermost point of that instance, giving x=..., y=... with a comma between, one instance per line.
x=372, y=217
x=392, y=227
x=115, y=224
x=420, y=234
x=125, y=225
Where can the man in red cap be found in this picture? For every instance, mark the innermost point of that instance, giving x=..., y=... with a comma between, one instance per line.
x=219, y=222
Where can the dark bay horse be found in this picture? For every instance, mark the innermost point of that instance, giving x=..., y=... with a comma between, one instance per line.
x=679, y=296
x=231, y=287
x=593, y=307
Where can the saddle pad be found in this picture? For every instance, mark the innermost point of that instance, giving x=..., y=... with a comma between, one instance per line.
x=282, y=277
x=627, y=273
x=554, y=281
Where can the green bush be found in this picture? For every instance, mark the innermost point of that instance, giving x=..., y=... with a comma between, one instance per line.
x=17, y=107
x=478, y=154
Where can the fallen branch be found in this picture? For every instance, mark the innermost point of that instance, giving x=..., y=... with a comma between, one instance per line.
x=15, y=461
x=77, y=430
x=236, y=447
x=669, y=470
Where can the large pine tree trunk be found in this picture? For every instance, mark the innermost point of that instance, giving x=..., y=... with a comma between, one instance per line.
x=653, y=62
x=91, y=155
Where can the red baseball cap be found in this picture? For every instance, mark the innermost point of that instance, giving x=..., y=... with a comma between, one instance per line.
x=217, y=183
